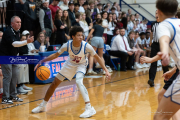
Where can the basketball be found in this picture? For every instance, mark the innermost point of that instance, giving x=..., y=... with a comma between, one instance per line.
x=43, y=73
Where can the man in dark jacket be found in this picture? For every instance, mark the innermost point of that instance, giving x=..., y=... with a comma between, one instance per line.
x=72, y=14
x=30, y=16
x=9, y=46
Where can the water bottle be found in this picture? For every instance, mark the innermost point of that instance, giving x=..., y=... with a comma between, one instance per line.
x=119, y=66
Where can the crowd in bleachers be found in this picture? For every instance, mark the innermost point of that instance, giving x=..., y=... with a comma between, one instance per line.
x=125, y=35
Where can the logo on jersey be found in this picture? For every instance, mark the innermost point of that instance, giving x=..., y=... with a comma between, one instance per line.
x=76, y=59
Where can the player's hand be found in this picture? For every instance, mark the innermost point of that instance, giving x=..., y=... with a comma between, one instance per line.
x=108, y=76
x=30, y=39
x=165, y=58
x=145, y=59
x=167, y=75
x=37, y=65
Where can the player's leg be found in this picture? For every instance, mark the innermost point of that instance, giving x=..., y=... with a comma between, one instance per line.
x=91, y=61
x=160, y=95
x=166, y=109
x=58, y=79
x=89, y=110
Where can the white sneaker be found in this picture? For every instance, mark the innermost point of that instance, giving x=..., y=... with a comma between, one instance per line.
x=91, y=72
x=27, y=88
x=149, y=64
x=20, y=90
x=104, y=72
x=110, y=70
x=88, y=113
x=39, y=109
x=144, y=65
x=159, y=63
x=98, y=65
x=137, y=66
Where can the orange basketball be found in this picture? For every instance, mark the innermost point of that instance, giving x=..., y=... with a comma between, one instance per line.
x=43, y=73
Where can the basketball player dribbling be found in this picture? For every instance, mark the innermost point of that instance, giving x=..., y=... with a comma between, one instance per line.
x=76, y=64
x=168, y=33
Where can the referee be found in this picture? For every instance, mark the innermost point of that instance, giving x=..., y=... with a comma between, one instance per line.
x=155, y=48
x=9, y=46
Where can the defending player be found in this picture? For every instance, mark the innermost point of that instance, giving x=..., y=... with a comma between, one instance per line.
x=76, y=64
x=168, y=35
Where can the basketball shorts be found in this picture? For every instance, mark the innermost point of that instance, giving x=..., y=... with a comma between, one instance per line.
x=174, y=91
x=69, y=71
x=170, y=81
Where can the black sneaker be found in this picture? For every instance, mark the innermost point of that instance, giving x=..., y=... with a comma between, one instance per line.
x=151, y=83
x=6, y=101
x=16, y=99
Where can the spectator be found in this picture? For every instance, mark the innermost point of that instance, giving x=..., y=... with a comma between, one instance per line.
x=10, y=47
x=97, y=16
x=45, y=19
x=140, y=40
x=133, y=46
x=76, y=8
x=129, y=12
x=120, y=48
x=130, y=25
x=143, y=26
x=106, y=8
x=148, y=30
x=137, y=17
x=60, y=37
x=84, y=25
x=137, y=28
x=30, y=16
x=1, y=35
x=113, y=10
x=124, y=22
x=38, y=6
x=120, y=16
x=118, y=24
x=115, y=4
x=3, y=6
x=98, y=9
x=88, y=17
x=111, y=27
x=118, y=9
x=85, y=6
x=31, y=47
x=24, y=71
x=97, y=43
x=116, y=32
x=78, y=17
x=109, y=5
x=105, y=23
x=67, y=22
x=42, y=42
x=19, y=7
x=91, y=7
x=123, y=14
x=147, y=44
x=64, y=6
x=95, y=3
x=72, y=14
x=81, y=9
x=54, y=7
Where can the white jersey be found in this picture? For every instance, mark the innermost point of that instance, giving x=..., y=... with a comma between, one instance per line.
x=171, y=27
x=80, y=57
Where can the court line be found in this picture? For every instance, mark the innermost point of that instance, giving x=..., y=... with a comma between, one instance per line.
x=14, y=105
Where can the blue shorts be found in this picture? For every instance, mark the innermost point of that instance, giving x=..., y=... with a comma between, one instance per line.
x=97, y=42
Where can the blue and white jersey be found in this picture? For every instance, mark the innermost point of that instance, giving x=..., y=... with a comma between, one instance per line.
x=80, y=57
x=171, y=28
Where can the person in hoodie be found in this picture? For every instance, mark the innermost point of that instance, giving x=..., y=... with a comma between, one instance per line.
x=30, y=16
x=45, y=19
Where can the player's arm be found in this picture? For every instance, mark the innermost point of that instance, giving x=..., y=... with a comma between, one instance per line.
x=169, y=74
x=164, y=47
x=145, y=59
x=99, y=60
x=49, y=58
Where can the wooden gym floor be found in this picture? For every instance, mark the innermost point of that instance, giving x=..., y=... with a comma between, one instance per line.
x=126, y=97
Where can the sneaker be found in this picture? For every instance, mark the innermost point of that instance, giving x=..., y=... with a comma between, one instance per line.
x=6, y=101
x=110, y=70
x=104, y=72
x=159, y=63
x=20, y=90
x=39, y=109
x=27, y=88
x=17, y=99
x=137, y=66
x=91, y=72
x=88, y=113
x=98, y=66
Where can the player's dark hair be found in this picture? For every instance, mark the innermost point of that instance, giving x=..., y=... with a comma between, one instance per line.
x=99, y=21
x=168, y=7
x=74, y=30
